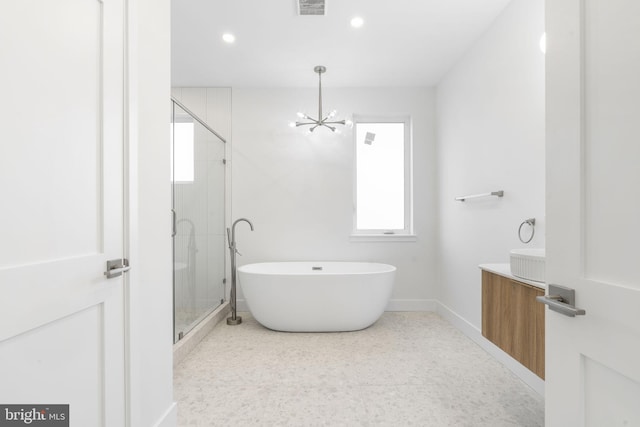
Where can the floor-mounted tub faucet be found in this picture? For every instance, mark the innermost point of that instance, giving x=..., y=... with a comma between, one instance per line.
x=231, y=236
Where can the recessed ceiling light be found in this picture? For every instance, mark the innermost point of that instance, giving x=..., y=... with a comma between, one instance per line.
x=357, y=22
x=228, y=37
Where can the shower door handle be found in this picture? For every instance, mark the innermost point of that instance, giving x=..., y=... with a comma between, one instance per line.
x=174, y=227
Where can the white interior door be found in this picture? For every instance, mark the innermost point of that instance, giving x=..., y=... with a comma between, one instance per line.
x=593, y=208
x=61, y=215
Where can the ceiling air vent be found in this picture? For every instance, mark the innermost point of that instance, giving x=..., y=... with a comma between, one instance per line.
x=311, y=7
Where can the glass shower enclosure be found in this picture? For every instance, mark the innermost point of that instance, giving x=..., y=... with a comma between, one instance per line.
x=198, y=209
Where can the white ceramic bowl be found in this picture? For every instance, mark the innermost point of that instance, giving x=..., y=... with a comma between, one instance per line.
x=528, y=264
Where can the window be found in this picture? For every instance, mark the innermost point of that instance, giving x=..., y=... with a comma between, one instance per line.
x=183, y=152
x=383, y=176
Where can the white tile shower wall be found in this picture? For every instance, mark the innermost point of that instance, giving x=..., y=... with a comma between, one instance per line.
x=490, y=137
x=298, y=189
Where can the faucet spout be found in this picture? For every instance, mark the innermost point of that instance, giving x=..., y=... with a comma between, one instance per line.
x=232, y=242
x=240, y=220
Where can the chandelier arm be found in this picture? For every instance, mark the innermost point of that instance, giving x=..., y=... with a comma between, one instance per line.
x=306, y=124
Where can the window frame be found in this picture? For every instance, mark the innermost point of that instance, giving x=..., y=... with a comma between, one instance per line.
x=407, y=233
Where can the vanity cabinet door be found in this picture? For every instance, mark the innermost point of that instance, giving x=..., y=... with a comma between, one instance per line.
x=528, y=327
x=513, y=320
x=538, y=336
x=497, y=298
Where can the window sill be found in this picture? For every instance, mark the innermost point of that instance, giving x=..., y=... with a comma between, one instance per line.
x=383, y=238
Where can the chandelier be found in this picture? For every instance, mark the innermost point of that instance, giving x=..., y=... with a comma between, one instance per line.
x=327, y=121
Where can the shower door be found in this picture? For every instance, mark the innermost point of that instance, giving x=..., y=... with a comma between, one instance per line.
x=198, y=192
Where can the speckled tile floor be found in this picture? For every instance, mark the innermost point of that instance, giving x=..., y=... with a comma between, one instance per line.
x=408, y=369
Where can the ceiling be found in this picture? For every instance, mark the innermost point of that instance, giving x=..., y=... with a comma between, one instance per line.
x=402, y=42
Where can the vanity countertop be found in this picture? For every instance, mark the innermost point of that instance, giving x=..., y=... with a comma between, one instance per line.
x=505, y=271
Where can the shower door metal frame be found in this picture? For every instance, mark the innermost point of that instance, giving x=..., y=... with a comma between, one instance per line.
x=174, y=103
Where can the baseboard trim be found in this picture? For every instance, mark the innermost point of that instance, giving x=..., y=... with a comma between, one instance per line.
x=241, y=305
x=528, y=377
x=170, y=417
x=393, y=305
x=412, y=305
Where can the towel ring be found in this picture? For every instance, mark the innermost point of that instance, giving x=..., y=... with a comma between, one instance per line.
x=532, y=223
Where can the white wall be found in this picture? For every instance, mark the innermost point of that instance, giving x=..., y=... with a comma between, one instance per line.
x=150, y=388
x=490, y=137
x=298, y=189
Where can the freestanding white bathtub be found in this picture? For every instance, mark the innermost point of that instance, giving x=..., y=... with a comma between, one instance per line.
x=316, y=296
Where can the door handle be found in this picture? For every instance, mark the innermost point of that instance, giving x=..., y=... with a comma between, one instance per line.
x=562, y=300
x=116, y=267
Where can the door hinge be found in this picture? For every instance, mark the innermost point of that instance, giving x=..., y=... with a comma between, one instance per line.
x=116, y=267
x=224, y=161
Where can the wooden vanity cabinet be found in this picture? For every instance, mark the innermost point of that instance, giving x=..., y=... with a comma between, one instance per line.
x=513, y=320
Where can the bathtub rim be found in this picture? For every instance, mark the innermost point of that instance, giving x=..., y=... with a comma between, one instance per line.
x=250, y=268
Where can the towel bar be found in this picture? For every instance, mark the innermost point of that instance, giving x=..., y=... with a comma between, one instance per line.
x=474, y=196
